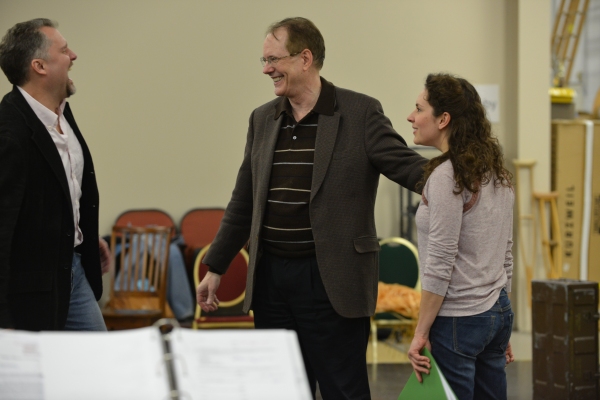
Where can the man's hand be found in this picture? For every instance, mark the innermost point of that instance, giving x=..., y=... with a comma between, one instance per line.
x=106, y=259
x=206, y=292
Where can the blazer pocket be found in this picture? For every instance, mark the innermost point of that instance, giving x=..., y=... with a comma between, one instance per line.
x=366, y=244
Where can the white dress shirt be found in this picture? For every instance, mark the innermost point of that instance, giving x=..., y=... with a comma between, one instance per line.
x=69, y=150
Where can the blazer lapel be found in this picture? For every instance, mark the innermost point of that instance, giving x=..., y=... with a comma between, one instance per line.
x=327, y=131
x=265, y=161
x=42, y=139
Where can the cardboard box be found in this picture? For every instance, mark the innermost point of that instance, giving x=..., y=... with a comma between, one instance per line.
x=568, y=179
x=563, y=111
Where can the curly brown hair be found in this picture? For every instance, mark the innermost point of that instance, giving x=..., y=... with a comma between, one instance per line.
x=475, y=154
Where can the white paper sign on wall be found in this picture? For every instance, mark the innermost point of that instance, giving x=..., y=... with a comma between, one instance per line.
x=490, y=97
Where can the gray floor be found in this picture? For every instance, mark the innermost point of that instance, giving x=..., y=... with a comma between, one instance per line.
x=388, y=377
x=387, y=380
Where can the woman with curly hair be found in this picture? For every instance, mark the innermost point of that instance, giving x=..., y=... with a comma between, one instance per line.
x=464, y=224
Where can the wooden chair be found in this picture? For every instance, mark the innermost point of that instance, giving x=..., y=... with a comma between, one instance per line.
x=138, y=291
x=231, y=294
x=398, y=263
x=149, y=217
x=146, y=217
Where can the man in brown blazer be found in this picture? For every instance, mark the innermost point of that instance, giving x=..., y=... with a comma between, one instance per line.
x=304, y=198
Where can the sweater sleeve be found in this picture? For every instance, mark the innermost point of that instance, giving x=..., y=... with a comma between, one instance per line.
x=508, y=259
x=445, y=220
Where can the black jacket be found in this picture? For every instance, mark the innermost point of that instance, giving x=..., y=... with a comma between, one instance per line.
x=36, y=221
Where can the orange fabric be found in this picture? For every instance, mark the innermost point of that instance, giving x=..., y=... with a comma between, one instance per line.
x=393, y=297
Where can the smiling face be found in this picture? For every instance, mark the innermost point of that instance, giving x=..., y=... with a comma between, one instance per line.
x=57, y=64
x=429, y=130
x=287, y=72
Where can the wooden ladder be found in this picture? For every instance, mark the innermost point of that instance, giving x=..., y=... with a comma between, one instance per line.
x=568, y=22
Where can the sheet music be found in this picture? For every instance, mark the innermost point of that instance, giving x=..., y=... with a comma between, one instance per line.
x=20, y=367
x=239, y=365
x=84, y=365
x=113, y=365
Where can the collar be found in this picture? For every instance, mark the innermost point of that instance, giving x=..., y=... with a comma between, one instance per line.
x=325, y=103
x=47, y=116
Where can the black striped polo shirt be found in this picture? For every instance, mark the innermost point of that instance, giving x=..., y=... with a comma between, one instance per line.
x=286, y=230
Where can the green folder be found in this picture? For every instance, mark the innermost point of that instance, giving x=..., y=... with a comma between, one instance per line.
x=434, y=386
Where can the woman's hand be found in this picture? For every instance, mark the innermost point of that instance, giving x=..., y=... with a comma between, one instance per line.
x=430, y=306
x=420, y=364
x=509, y=354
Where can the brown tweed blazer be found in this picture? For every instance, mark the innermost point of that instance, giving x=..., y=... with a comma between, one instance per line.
x=353, y=147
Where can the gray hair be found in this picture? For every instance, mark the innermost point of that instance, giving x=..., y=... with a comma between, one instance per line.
x=23, y=43
x=302, y=34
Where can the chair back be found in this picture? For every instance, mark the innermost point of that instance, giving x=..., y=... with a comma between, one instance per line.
x=232, y=289
x=199, y=226
x=399, y=262
x=146, y=218
x=142, y=253
x=231, y=293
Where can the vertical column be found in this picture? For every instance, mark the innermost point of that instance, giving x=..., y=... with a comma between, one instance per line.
x=532, y=122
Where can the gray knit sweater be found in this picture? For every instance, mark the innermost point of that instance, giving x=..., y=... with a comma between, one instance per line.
x=465, y=243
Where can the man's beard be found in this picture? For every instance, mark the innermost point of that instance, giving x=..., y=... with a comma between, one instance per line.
x=71, y=89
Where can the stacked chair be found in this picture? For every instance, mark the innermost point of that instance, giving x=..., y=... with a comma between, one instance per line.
x=138, y=290
x=138, y=245
x=138, y=281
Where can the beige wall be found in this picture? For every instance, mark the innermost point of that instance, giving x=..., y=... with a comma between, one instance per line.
x=165, y=88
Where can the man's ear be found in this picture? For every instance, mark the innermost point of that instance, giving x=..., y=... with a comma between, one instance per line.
x=307, y=59
x=39, y=66
x=444, y=120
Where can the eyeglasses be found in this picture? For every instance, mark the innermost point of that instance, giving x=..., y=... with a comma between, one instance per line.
x=274, y=60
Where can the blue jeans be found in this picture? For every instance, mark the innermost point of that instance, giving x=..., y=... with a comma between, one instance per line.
x=84, y=312
x=179, y=295
x=470, y=351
